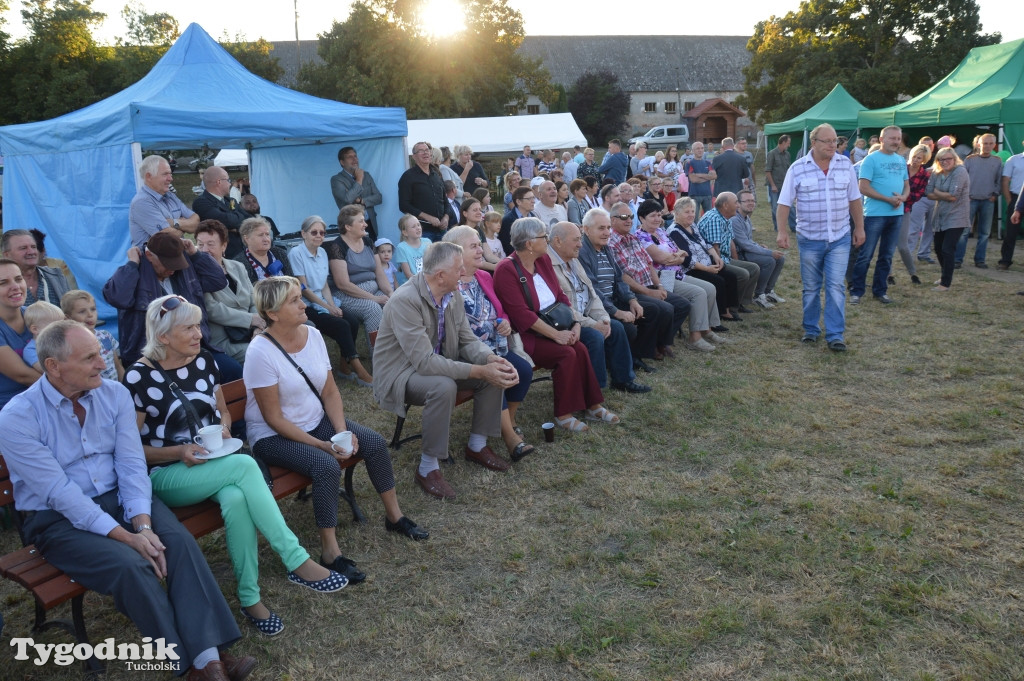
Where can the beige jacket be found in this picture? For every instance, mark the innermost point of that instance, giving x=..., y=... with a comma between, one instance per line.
x=595, y=309
x=406, y=339
x=227, y=308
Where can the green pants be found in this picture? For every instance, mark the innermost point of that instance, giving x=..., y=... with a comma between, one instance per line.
x=236, y=484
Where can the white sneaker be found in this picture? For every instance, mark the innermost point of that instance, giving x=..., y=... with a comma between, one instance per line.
x=713, y=337
x=700, y=345
x=774, y=297
x=762, y=300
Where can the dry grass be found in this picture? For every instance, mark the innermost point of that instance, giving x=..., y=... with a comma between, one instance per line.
x=774, y=511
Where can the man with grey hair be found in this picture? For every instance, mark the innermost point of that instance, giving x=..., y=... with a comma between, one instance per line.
x=569, y=168
x=731, y=168
x=769, y=262
x=547, y=209
x=426, y=353
x=156, y=207
x=605, y=338
x=43, y=283
x=79, y=475
x=216, y=204
x=716, y=228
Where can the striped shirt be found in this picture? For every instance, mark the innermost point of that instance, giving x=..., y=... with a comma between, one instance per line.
x=823, y=201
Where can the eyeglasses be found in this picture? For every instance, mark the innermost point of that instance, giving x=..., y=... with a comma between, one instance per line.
x=423, y=150
x=624, y=216
x=529, y=198
x=827, y=143
x=543, y=236
x=314, y=232
x=172, y=303
x=946, y=158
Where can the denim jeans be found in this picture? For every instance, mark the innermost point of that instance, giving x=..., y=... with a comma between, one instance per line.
x=982, y=209
x=773, y=199
x=882, y=231
x=594, y=341
x=823, y=265
x=704, y=204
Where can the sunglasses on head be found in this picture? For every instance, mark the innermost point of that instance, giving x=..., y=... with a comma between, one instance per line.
x=172, y=303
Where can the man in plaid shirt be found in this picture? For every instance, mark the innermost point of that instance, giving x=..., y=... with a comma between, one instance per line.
x=642, y=278
x=824, y=186
x=716, y=228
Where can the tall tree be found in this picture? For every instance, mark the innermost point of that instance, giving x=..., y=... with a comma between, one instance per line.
x=599, y=105
x=148, y=37
x=59, y=67
x=255, y=55
x=878, y=50
x=382, y=56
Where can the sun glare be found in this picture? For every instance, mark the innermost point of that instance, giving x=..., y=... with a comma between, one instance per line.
x=442, y=18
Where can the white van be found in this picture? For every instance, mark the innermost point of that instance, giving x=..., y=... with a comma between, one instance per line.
x=665, y=136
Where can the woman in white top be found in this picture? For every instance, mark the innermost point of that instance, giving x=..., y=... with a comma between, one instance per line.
x=290, y=422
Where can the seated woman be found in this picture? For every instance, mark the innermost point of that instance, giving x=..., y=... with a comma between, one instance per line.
x=705, y=263
x=360, y=285
x=294, y=408
x=261, y=258
x=183, y=472
x=230, y=311
x=15, y=374
x=487, y=319
x=309, y=263
x=575, y=384
x=670, y=261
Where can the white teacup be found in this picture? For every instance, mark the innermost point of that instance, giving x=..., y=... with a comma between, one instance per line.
x=342, y=442
x=210, y=438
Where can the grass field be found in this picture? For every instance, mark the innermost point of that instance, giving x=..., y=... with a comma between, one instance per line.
x=770, y=511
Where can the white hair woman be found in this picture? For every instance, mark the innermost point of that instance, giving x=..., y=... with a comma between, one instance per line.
x=176, y=390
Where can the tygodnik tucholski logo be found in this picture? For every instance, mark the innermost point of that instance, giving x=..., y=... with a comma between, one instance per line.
x=150, y=655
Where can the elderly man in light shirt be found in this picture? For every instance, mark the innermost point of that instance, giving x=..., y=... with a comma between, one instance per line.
x=824, y=186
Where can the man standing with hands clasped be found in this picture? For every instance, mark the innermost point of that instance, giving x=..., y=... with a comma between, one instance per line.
x=885, y=184
x=824, y=186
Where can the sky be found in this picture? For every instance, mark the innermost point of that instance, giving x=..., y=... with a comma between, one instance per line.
x=275, y=19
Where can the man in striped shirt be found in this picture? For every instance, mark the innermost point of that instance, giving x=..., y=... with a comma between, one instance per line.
x=824, y=187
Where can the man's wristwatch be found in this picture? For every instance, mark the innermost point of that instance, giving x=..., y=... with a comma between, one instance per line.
x=176, y=225
x=142, y=527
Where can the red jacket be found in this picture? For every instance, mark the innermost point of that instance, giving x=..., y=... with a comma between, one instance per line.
x=510, y=292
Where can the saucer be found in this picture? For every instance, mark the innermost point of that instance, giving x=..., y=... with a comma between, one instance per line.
x=230, y=446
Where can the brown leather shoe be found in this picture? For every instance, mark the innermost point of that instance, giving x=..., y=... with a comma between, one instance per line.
x=211, y=672
x=435, y=485
x=666, y=351
x=237, y=668
x=487, y=458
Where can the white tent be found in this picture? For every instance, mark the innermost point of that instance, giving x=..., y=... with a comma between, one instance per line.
x=500, y=133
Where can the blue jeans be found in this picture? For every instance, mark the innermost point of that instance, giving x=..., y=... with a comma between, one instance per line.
x=982, y=209
x=704, y=204
x=230, y=369
x=594, y=341
x=773, y=199
x=823, y=265
x=882, y=231
x=612, y=352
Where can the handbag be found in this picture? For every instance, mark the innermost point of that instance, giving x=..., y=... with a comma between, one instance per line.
x=557, y=315
x=236, y=334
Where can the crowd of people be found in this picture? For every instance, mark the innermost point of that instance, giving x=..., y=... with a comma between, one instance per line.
x=590, y=270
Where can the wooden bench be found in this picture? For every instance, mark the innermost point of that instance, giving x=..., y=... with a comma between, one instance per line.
x=51, y=587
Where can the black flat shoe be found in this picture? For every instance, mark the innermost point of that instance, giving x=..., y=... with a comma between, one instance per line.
x=719, y=328
x=744, y=310
x=632, y=387
x=643, y=366
x=406, y=527
x=347, y=568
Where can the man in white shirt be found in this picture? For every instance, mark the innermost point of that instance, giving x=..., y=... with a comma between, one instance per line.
x=547, y=210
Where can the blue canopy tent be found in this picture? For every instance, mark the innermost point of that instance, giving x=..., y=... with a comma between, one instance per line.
x=74, y=176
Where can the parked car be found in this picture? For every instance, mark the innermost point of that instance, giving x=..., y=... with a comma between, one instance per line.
x=665, y=136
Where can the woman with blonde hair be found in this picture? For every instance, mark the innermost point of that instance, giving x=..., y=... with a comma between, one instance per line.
x=949, y=187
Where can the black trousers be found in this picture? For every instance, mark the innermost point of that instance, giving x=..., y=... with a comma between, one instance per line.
x=191, y=612
x=1010, y=239
x=339, y=329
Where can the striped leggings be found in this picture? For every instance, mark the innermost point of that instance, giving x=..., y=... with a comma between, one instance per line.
x=368, y=312
x=324, y=469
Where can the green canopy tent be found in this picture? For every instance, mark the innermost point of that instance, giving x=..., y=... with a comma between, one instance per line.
x=985, y=93
x=838, y=108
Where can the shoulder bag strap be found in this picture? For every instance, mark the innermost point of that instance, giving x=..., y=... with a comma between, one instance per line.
x=522, y=281
x=186, y=404
x=297, y=367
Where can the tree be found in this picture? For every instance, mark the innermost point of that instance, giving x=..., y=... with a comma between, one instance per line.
x=59, y=67
x=599, y=105
x=380, y=56
x=148, y=37
x=877, y=49
x=253, y=55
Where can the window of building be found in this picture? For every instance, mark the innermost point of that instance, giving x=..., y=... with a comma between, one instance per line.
x=650, y=107
x=670, y=107
x=688, y=105
x=511, y=109
x=533, y=109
